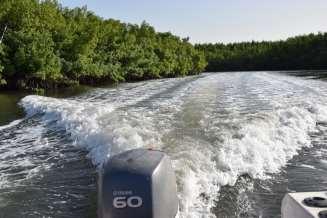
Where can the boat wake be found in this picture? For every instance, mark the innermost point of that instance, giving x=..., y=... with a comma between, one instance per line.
x=216, y=127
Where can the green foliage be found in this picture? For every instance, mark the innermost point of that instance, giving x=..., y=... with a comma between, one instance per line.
x=47, y=45
x=301, y=52
x=1, y=57
x=34, y=56
x=2, y=81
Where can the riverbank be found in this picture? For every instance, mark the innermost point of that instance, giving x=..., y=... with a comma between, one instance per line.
x=41, y=87
x=46, y=45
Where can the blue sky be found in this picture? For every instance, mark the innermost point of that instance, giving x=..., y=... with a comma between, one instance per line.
x=218, y=20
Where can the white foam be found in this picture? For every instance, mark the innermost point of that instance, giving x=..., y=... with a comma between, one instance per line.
x=103, y=125
x=308, y=166
x=16, y=165
x=11, y=124
x=83, y=121
x=231, y=145
x=262, y=146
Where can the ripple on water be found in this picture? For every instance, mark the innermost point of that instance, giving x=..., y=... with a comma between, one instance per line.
x=245, y=138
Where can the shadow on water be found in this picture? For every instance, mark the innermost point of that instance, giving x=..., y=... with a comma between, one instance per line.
x=9, y=110
x=313, y=74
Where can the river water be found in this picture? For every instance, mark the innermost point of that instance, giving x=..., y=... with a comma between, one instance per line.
x=238, y=142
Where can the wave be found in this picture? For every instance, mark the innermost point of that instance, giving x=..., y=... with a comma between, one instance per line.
x=11, y=124
x=255, y=144
x=211, y=141
x=82, y=120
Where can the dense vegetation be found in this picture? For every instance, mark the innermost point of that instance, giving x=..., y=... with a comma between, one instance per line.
x=301, y=52
x=47, y=45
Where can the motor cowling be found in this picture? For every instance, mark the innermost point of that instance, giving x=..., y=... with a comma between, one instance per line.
x=138, y=183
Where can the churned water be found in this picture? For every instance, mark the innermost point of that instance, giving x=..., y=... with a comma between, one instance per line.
x=238, y=141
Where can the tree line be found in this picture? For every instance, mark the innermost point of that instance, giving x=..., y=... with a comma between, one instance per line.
x=48, y=46
x=296, y=53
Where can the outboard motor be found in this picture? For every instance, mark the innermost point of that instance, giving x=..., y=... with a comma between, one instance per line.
x=138, y=183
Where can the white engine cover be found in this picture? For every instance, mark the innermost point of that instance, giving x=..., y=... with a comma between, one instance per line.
x=293, y=205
